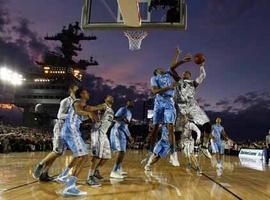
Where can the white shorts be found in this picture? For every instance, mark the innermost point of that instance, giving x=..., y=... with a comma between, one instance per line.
x=100, y=145
x=188, y=145
x=59, y=146
x=198, y=116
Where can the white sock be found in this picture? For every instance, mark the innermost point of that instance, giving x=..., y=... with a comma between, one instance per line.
x=150, y=160
x=91, y=172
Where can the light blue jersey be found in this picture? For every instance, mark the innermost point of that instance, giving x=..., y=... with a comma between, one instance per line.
x=162, y=81
x=164, y=110
x=120, y=131
x=217, y=130
x=125, y=113
x=217, y=142
x=71, y=133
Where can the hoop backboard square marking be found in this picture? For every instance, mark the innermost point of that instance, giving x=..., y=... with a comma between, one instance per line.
x=105, y=15
x=130, y=12
x=142, y=7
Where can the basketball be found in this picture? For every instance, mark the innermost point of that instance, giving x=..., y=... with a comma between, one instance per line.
x=199, y=58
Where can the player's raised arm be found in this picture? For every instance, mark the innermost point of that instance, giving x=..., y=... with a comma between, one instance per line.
x=177, y=63
x=99, y=107
x=79, y=108
x=176, y=57
x=157, y=90
x=173, y=65
x=202, y=75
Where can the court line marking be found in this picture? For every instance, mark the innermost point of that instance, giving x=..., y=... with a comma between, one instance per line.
x=222, y=186
x=26, y=184
x=177, y=189
x=19, y=186
x=219, y=184
x=178, y=192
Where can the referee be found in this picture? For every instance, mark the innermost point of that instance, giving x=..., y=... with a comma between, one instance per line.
x=267, y=140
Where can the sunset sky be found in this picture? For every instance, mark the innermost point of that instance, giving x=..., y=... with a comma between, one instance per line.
x=233, y=35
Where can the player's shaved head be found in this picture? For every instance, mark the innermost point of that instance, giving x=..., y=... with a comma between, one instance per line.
x=186, y=75
x=159, y=70
x=72, y=88
x=130, y=104
x=109, y=99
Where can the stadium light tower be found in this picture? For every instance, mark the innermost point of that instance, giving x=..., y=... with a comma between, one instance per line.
x=10, y=77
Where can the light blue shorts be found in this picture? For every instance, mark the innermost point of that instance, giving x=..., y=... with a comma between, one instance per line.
x=162, y=148
x=164, y=111
x=217, y=147
x=118, y=139
x=72, y=138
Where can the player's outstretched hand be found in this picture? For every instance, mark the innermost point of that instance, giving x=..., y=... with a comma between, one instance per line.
x=131, y=140
x=187, y=58
x=202, y=64
x=178, y=51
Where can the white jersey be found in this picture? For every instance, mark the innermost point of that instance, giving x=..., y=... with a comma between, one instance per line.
x=186, y=89
x=185, y=92
x=185, y=100
x=106, y=120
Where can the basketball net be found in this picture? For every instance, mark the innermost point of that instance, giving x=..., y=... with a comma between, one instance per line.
x=135, y=38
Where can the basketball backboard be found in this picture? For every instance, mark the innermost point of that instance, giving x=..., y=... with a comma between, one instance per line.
x=106, y=15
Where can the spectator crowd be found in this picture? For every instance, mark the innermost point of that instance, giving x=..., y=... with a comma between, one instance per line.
x=23, y=139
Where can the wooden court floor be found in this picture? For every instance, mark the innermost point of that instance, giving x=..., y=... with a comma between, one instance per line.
x=238, y=181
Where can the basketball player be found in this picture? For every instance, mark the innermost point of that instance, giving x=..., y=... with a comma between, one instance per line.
x=41, y=170
x=71, y=136
x=186, y=103
x=161, y=149
x=100, y=145
x=119, y=135
x=163, y=88
x=188, y=142
x=62, y=178
x=217, y=135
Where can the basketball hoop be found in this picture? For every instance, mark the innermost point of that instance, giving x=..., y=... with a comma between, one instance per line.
x=135, y=38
